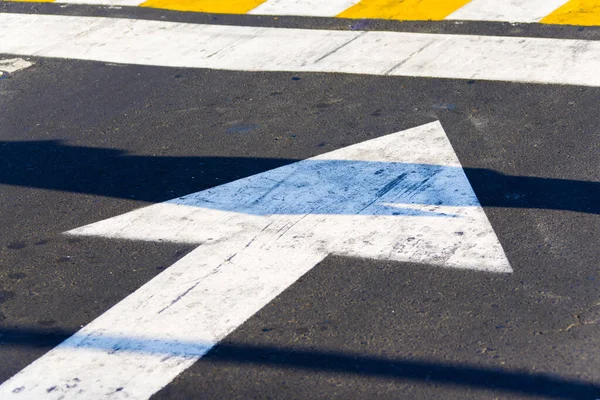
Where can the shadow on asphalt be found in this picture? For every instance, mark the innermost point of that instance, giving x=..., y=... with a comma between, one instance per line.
x=113, y=173
x=515, y=382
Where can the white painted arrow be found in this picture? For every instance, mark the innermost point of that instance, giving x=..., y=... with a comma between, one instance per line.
x=400, y=197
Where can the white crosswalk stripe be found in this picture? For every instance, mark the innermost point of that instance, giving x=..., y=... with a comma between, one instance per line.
x=104, y=2
x=506, y=10
x=316, y=8
x=128, y=41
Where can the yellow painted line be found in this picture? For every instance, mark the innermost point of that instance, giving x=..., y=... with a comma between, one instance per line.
x=414, y=10
x=210, y=6
x=576, y=12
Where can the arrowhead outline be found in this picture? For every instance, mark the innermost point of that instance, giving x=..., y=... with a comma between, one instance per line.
x=406, y=199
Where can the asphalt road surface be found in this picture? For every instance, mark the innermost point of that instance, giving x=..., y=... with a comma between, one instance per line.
x=83, y=141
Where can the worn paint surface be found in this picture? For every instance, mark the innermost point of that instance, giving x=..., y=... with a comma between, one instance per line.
x=128, y=41
x=10, y=65
x=115, y=3
x=317, y=8
x=404, y=9
x=400, y=197
x=211, y=6
x=576, y=12
x=506, y=10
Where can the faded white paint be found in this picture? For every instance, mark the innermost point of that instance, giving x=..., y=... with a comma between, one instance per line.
x=401, y=197
x=173, y=44
x=315, y=8
x=10, y=65
x=506, y=10
x=104, y=2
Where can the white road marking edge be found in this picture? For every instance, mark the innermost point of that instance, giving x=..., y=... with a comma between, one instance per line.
x=171, y=44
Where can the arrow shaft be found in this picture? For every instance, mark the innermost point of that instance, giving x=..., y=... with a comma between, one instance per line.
x=169, y=323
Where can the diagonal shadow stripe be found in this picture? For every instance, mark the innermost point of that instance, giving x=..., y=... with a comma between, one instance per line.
x=113, y=173
x=516, y=382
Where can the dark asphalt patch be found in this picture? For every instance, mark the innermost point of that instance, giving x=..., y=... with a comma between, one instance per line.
x=364, y=329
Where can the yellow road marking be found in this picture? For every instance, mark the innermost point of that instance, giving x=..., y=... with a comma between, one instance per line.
x=576, y=12
x=210, y=6
x=414, y=10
